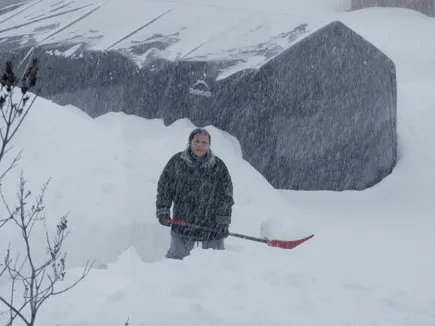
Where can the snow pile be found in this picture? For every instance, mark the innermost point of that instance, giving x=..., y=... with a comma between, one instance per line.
x=104, y=173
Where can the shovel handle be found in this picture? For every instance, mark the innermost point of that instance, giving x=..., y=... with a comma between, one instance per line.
x=283, y=244
x=175, y=222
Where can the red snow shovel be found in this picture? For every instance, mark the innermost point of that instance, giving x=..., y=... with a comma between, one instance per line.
x=283, y=244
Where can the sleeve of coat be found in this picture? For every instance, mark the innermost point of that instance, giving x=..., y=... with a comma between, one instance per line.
x=226, y=200
x=165, y=190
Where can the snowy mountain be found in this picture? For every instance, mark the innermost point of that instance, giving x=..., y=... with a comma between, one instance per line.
x=370, y=263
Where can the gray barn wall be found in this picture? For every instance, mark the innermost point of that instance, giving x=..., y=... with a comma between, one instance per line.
x=330, y=108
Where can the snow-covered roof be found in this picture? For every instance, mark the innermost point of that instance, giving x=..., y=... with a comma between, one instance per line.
x=172, y=30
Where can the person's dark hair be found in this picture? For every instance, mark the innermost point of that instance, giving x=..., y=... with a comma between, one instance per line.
x=199, y=131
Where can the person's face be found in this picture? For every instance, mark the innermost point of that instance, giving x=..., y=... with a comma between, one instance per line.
x=200, y=145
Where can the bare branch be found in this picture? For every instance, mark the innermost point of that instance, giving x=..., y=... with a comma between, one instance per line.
x=16, y=314
x=25, y=114
x=37, y=280
x=86, y=271
x=14, y=114
x=11, y=166
x=42, y=279
x=15, y=311
x=3, y=222
x=16, y=272
x=6, y=262
x=11, y=316
x=3, y=269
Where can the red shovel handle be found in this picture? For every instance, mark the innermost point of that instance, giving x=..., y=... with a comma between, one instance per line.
x=175, y=222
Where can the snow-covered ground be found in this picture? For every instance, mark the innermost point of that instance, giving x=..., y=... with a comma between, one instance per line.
x=371, y=262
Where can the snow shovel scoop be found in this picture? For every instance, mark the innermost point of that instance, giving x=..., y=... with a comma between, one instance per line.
x=283, y=244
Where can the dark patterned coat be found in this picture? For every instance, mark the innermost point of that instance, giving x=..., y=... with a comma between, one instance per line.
x=201, y=192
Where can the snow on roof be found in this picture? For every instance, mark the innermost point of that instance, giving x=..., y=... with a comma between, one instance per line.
x=168, y=30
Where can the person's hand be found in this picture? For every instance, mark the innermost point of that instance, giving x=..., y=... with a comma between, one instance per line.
x=222, y=230
x=164, y=221
x=222, y=226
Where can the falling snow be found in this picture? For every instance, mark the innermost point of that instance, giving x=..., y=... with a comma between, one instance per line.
x=371, y=261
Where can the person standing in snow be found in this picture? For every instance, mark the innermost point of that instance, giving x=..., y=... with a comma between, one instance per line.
x=199, y=186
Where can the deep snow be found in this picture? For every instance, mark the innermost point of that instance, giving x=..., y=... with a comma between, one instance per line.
x=371, y=262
